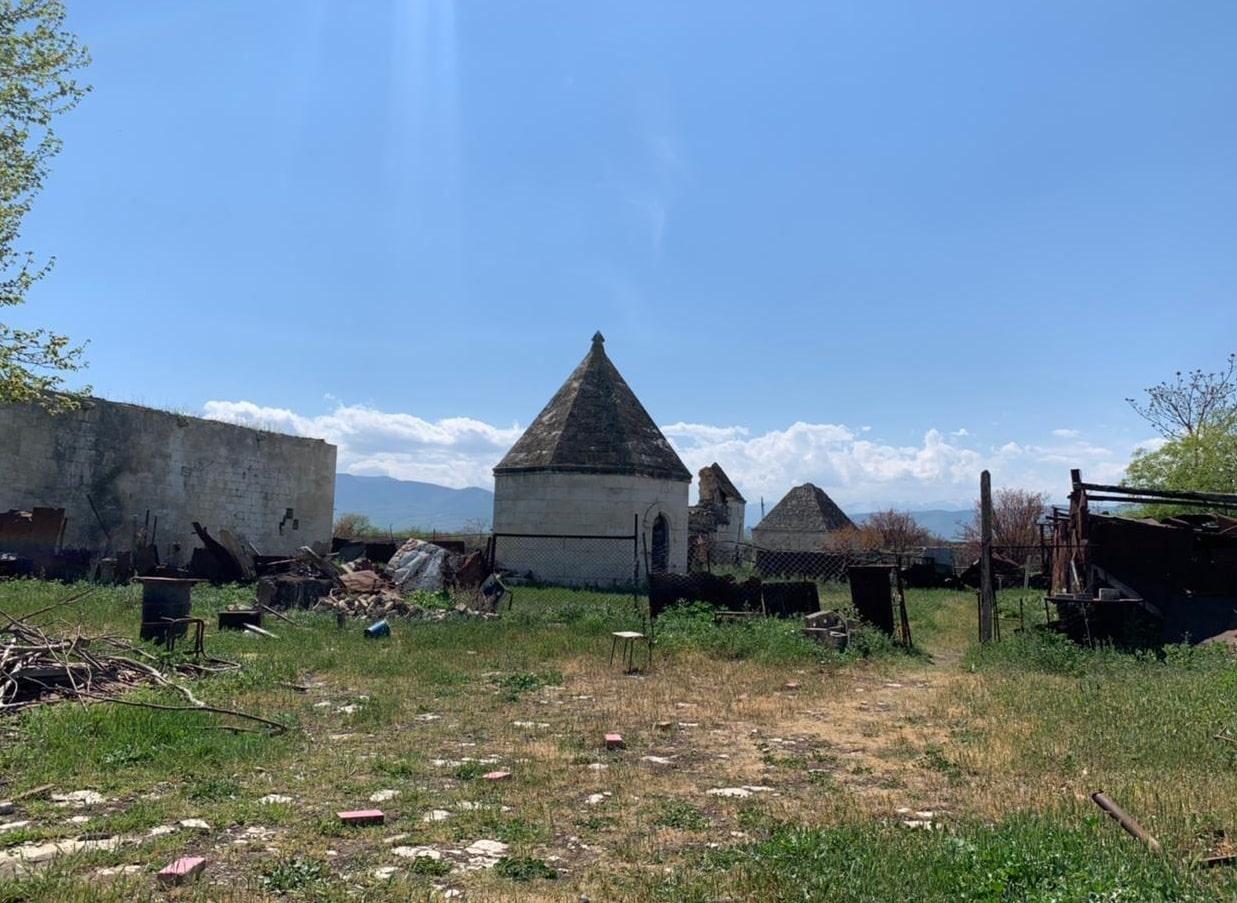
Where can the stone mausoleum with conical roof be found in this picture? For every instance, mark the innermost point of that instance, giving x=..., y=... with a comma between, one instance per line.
x=592, y=464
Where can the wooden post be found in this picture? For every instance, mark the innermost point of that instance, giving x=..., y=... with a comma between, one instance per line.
x=987, y=598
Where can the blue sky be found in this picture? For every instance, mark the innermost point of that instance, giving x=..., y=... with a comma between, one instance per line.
x=935, y=236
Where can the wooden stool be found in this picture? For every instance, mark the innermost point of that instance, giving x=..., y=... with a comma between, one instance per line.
x=630, y=638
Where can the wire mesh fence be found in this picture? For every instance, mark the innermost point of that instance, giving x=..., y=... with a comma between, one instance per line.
x=559, y=567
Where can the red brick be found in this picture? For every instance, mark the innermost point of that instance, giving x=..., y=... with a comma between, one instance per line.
x=615, y=741
x=496, y=776
x=362, y=817
x=182, y=870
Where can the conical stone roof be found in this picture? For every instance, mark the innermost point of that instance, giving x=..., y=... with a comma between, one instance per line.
x=594, y=424
x=805, y=509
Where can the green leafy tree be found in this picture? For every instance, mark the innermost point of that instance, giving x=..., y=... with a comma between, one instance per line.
x=38, y=59
x=1196, y=413
x=1203, y=462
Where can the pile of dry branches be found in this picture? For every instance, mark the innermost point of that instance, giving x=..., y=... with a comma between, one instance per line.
x=41, y=668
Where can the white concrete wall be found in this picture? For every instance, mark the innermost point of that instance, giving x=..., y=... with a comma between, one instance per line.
x=592, y=504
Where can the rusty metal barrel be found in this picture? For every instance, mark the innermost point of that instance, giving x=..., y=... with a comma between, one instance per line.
x=164, y=599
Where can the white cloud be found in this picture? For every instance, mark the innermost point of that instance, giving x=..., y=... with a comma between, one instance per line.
x=1066, y=434
x=859, y=473
x=960, y=432
x=455, y=451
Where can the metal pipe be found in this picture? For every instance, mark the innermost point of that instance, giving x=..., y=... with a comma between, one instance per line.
x=1126, y=821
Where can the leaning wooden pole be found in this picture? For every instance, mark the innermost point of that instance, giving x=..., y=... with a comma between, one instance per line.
x=987, y=596
x=1126, y=821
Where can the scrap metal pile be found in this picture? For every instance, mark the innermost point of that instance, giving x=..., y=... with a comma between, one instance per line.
x=1141, y=579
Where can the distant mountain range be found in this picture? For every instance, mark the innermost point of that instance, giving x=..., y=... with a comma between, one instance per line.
x=945, y=523
x=404, y=504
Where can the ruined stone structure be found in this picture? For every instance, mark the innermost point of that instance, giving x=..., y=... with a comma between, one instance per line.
x=593, y=463
x=717, y=516
x=800, y=522
x=109, y=464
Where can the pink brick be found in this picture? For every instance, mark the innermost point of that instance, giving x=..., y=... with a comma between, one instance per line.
x=182, y=870
x=362, y=817
x=496, y=776
x=615, y=741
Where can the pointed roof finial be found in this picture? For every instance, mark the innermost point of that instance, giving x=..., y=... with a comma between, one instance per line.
x=598, y=339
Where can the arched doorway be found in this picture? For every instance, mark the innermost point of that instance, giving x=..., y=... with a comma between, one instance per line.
x=660, y=557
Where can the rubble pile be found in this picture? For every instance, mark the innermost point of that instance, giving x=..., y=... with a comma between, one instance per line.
x=365, y=589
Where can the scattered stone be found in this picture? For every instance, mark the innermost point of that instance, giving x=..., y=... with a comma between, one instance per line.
x=596, y=799
x=273, y=799
x=382, y=796
x=78, y=798
x=182, y=870
x=733, y=792
x=384, y=873
x=195, y=824
x=340, y=737
x=791, y=685
x=118, y=871
x=417, y=853
x=13, y=826
x=615, y=741
x=428, y=716
x=350, y=709
x=656, y=760
x=161, y=831
x=597, y=766
x=485, y=853
x=663, y=725
x=496, y=776
x=396, y=838
x=361, y=817
x=78, y=819
x=436, y=815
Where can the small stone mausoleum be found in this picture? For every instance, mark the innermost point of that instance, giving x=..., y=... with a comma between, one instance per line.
x=801, y=521
x=592, y=465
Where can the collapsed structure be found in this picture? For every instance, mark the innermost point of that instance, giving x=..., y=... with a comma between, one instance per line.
x=1140, y=580
x=124, y=477
x=717, y=517
x=592, y=493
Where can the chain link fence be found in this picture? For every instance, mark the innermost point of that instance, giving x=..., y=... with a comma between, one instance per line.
x=568, y=567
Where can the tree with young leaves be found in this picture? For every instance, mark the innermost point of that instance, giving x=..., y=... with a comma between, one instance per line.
x=1191, y=402
x=1196, y=414
x=890, y=531
x=38, y=59
x=1016, y=514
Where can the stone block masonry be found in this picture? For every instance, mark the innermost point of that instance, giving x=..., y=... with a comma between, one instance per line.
x=109, y=464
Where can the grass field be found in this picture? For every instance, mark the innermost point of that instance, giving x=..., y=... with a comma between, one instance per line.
x=989, y=755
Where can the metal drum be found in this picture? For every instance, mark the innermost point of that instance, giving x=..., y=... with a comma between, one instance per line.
x=164, y=599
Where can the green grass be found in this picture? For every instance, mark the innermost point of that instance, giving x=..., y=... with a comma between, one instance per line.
x=1022, y=731
x=1022, y=858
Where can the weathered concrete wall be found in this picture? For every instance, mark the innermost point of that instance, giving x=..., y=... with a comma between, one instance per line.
x=790, y=541
x=590, y=504
x=276, y=491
